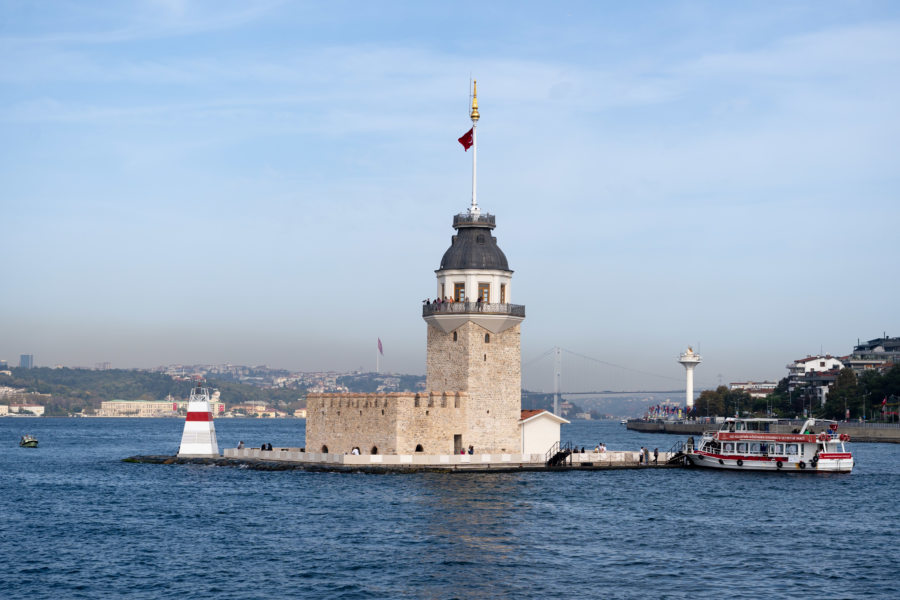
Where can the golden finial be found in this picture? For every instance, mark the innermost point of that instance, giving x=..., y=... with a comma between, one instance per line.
x=475, y=116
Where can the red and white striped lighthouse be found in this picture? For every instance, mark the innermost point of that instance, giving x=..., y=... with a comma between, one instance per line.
x=199, y=437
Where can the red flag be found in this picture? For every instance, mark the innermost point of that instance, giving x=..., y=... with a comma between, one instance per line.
x=466, y=139
x=883, y=402
x=380, y=349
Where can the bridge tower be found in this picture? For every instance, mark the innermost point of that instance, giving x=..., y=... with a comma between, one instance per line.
x=474, y=331
x=689, y=360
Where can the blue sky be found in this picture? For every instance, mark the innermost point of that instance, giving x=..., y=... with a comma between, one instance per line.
x=275, y=182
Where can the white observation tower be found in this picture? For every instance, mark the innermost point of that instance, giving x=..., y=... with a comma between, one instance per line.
x=689, y=360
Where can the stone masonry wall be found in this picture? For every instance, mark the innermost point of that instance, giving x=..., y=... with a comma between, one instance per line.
x=494, y=386
x=392, y=423
x=490, y=372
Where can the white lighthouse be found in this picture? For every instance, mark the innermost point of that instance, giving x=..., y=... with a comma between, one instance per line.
x=689, y=360
x=199, y=437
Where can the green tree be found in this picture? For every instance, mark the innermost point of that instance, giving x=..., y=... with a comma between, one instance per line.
x=844, y=394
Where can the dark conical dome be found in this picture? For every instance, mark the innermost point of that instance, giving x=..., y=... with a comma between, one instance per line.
x=473, y=246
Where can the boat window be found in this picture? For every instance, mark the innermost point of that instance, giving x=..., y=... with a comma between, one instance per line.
x=765, y=426
x=742, y=447
x=752, y=426
x=741, y=426
x=779, y=448
x=790, y=449
x=729, y=447
x=764, y=448
x=754, y=448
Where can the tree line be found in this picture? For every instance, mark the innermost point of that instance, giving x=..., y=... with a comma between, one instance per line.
x=863, y=396
x=82, y=390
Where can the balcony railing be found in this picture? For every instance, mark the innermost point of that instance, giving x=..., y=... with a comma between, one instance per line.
x=487, y=308
x=470, y=220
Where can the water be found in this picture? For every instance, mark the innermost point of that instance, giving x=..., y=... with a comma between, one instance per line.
x=78, y=523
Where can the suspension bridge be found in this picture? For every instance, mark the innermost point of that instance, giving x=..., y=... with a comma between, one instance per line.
x=562, y=372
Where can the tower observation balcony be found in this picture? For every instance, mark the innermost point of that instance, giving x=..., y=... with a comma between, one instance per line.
x=473, y=308
x=485, y=220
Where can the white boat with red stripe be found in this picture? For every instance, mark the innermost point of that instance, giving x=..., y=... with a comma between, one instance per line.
x=757, y=445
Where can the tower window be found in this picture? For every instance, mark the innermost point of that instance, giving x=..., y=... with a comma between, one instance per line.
x=484, y=292
x=454, y=336
x=456, y=402
x=459, y=292
x=416, y=402
x=502, y=293
x=419, y=448
x=487, y=338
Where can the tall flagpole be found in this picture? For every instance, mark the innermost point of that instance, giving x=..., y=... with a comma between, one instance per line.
x=475, y=116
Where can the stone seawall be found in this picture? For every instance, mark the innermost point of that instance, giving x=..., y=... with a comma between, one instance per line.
x=858, y=432
x=284, y=459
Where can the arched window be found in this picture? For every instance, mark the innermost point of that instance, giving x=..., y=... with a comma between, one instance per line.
x=454, y=336
x=430, y=401
x=487, y=338
x=456, y=402
x=374, y=449
x=324, y=449
x=419, y=448
x=416, y=401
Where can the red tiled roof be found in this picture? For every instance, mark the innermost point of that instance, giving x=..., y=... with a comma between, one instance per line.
x=527, y=414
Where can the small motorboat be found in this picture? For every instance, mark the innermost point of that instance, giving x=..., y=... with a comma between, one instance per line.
x=28, y=441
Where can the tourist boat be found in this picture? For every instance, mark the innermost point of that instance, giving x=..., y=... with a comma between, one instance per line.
x=28, y=441
x=754, y=445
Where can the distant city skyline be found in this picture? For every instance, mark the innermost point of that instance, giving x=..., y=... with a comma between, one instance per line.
x=275, y=183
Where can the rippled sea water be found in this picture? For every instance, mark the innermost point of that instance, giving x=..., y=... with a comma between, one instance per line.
x=76, y=522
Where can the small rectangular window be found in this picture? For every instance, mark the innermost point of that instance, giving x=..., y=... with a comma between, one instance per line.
x=484, y=292
x=459, y=292
x=502, y=293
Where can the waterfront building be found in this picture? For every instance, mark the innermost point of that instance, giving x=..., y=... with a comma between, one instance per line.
x=815, y=373
x=755, y=389
x=25, y=409
x=169, y=407
x=800, y=368
x=880, y=354
x=4, y=410
x=138, y=408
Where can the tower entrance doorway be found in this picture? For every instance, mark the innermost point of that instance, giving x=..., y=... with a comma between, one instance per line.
x=457, y=444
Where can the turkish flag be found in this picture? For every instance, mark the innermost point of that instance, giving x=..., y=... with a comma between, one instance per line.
x=467, y=138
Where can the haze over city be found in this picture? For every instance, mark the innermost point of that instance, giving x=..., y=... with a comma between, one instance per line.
x=275, y=184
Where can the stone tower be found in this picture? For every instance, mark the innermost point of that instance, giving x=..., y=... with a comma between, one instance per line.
x=473, y=340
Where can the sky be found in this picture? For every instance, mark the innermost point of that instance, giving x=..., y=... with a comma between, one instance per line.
x=274, y=182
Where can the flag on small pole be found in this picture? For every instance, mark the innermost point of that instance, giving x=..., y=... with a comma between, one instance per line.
x=378, y=356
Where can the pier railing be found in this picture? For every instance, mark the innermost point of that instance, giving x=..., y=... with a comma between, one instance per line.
x=487, y=308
